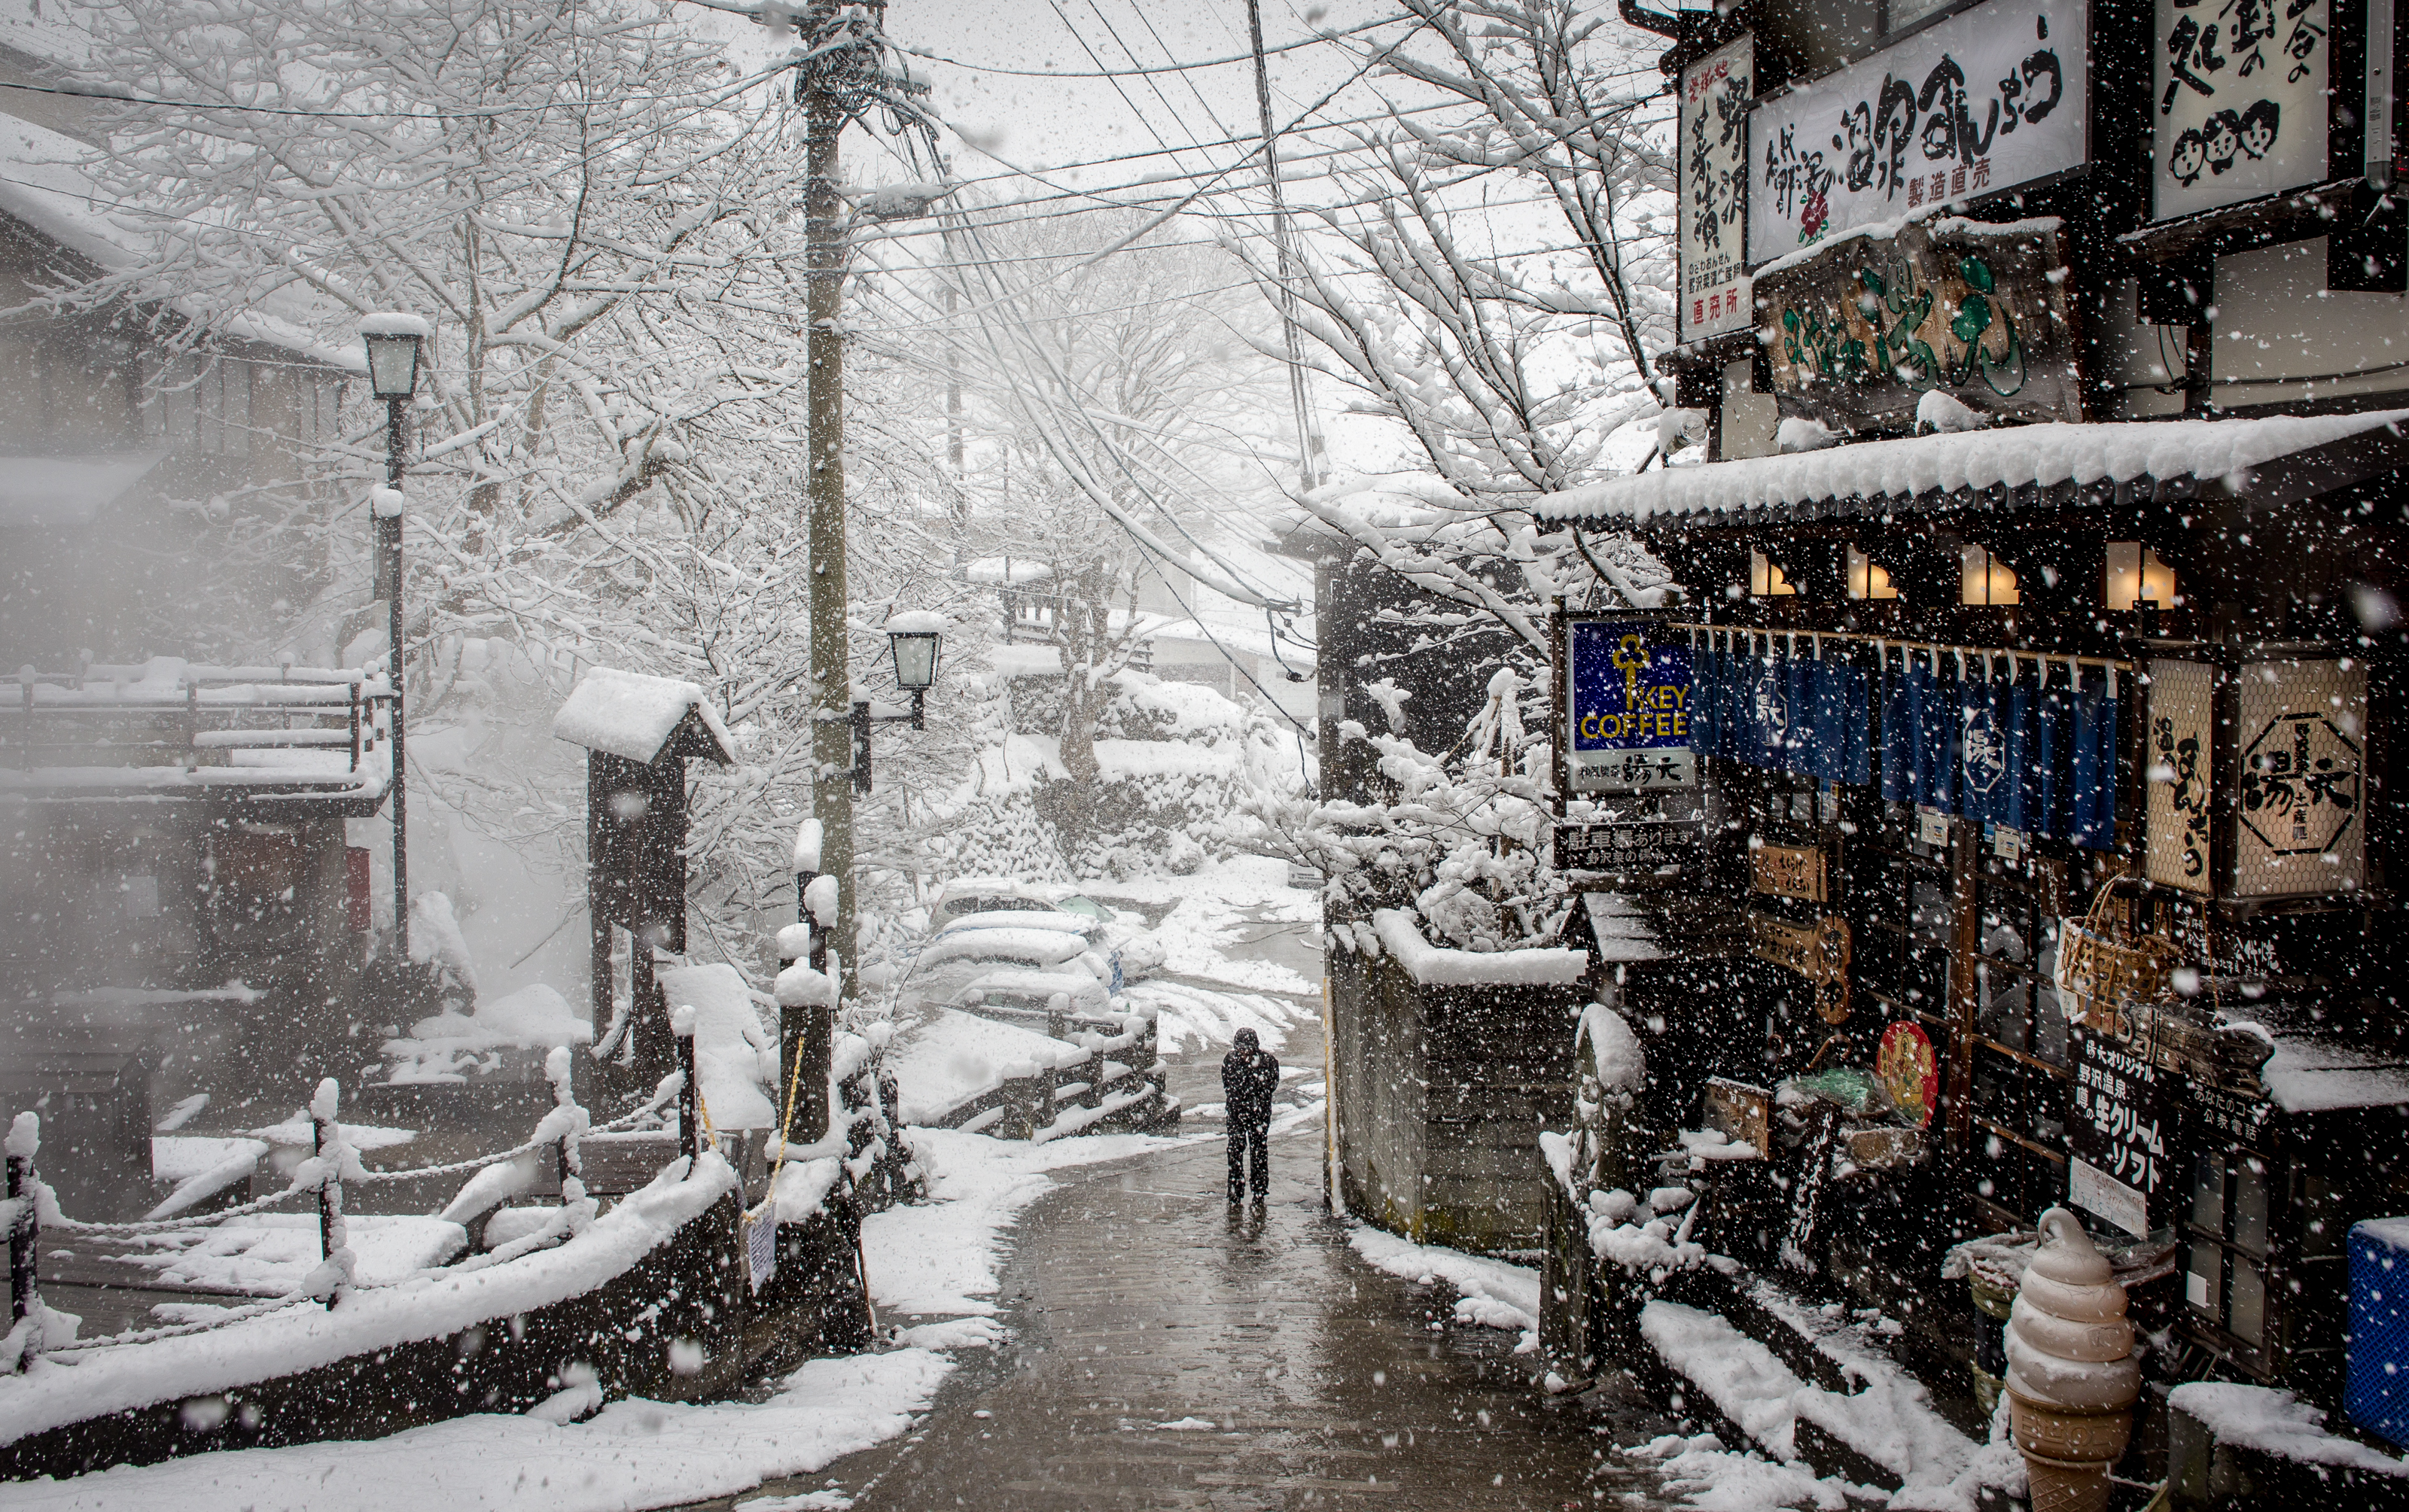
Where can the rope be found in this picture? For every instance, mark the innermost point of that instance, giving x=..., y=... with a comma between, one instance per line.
x=238, y=1314
x=207, y=1220
x=785, y=1128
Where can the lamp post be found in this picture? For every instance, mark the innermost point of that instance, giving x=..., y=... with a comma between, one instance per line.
x=912, y=640
x=395, y=342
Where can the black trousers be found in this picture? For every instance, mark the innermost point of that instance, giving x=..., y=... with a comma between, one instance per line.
x=1244, y=1137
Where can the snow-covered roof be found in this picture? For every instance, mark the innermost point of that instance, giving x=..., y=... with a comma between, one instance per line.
x=1000, y=571
x=633, y=714
x=46, y=188
x=53, y=491
x=2271, y=460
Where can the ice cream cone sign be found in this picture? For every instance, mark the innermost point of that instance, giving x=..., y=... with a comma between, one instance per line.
x=2072, y=1376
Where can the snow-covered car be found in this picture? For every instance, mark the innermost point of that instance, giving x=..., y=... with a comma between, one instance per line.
x=1003, y=948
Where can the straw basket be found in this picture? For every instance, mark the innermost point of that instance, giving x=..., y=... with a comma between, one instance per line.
x=2111, y=986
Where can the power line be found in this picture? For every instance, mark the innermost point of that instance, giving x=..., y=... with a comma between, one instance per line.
x=1317, y=40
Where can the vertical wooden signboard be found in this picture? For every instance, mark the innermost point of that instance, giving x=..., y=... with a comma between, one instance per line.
x=2181, y=710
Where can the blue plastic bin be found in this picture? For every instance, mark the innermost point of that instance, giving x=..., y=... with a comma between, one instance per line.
x=2378, y=1395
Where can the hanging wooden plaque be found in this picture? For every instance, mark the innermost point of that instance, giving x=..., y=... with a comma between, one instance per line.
x=2181, y=703
x=2297, y=822
x=1818, y=952
x=1789, y=871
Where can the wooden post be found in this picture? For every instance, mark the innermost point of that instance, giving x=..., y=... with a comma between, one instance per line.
x=690, y=1092
x=331, y=1238
x=24, y=1226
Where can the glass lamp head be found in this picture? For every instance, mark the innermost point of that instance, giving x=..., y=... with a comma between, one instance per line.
x=393, y=364
x=916, y=658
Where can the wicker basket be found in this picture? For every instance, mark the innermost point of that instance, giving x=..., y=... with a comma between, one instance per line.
x=2109, y=985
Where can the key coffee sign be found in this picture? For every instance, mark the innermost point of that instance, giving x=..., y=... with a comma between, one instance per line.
x=1858, y=334
x=1627, y=708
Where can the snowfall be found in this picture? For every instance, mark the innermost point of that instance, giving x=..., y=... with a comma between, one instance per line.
x=933, y=1271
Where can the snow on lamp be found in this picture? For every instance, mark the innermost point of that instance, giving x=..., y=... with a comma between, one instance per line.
x=913, y=637
x=395, y=342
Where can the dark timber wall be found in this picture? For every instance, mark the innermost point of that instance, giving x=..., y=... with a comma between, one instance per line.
x=1442, y=1092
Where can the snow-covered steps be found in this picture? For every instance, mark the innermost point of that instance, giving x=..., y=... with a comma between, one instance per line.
x=1812, y=1391
x=2232, y=1445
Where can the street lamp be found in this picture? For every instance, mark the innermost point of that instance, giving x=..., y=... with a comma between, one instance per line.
x=912, y=640
x=396, y=341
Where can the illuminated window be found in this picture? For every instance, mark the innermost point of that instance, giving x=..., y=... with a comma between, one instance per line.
x=1868, y=578
x=1983, y=579
x=2135, y=575
x=1766, y=580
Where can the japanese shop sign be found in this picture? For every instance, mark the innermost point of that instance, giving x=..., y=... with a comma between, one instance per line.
x=1627, y=708
x=1643, y=849
x=1858, y=333
x=2296, y=825
x=2240, y=98
x=1713, y=150
x=1991, y=99
x=2118, y=1132
x=2182, y=695
x=1788, y=871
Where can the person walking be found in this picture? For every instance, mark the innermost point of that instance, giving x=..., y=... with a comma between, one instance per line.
x=1249, y=1076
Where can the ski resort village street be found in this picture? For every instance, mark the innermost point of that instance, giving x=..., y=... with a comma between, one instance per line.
x=1438, y=755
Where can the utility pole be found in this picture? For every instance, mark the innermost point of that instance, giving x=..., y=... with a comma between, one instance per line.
x=824, y=116
x=1308, y=435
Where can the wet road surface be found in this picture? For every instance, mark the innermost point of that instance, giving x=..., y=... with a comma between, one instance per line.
x=1168, y=1351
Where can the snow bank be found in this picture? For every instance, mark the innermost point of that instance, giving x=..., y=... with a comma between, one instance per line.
x=1488, y=1292
x=633, y=1454
x=2278, y=1423
x=52, y=1394
x=1616, y=1057
x=447, y=1047
x=631, y=714
x=950, y=1057
x=269, y=1254
x=735, y=1057
x=1433, y=966
x=1889, y=1420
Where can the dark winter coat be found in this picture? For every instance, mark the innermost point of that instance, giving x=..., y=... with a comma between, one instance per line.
x=1249, y=1076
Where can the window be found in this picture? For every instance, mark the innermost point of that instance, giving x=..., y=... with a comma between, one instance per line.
x=2224, y=1283
x=1765, y=579
x=2135, y=575
x=1983, y=579
x=204, y=402
x=1868, y=578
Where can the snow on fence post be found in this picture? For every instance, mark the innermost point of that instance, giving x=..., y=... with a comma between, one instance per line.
x=682, y=1021
x=25, y=1224
x=560, y=1066
x=333, y=1276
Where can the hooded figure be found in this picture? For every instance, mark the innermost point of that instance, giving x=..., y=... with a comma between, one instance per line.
x=1249, y=1076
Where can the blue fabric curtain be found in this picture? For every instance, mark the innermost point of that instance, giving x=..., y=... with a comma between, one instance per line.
x=2036, y=752
x=2093, y=820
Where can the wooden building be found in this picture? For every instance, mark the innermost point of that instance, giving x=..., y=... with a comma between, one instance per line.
x=2042, y=620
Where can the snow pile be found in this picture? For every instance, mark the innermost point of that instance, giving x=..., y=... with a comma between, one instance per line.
x=1644, y=1235
x=948, y=1057
x=1433, y=966
x=450, y=1046
x=735, y=1053
x=269, y=1254
x=1705, y=1473
x=1489, y=1293
x=633, y=715
x=1616, y=1059
x=430, y=1306
x=1185, y=1014
x=635, y=1453
x=1889, y=1420
x=2278, y=1423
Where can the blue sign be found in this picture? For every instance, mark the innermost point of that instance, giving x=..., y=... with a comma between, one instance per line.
x=1628, y=708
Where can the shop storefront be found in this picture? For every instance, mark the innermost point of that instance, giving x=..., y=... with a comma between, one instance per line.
x=2050, y=806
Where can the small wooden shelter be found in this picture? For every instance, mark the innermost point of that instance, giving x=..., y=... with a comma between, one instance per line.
x=638, y=732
